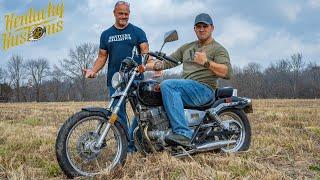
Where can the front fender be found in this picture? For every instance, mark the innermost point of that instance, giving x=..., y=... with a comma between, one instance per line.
x=107, y=114
x=104, y=111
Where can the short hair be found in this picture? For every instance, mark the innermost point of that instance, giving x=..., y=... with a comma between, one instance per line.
x=120, y=3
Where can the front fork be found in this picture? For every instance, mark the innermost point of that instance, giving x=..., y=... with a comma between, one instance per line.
x=115, y=110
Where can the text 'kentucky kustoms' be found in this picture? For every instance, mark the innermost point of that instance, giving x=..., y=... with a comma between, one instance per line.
x=18, y=27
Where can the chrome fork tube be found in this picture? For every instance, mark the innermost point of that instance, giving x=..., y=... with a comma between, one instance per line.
x=117, y=107
x=99, y=126
x=103, y=135
x=115, y=110
x=110, y=104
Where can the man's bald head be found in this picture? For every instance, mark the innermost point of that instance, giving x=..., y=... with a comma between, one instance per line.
x=121, y=3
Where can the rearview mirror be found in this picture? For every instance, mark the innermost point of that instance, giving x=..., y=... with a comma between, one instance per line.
x=170, y=36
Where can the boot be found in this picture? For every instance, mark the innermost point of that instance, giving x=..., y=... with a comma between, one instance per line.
x=177, y=139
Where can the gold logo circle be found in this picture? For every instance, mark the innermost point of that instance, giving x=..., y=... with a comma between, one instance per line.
x=37, y=33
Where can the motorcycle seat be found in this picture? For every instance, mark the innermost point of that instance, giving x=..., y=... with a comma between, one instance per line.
x=223, y=92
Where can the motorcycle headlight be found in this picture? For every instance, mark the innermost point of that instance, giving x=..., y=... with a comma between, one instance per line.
x=116, y=80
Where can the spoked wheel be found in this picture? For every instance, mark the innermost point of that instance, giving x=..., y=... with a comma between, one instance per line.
x=76, y=152
x=237, y=122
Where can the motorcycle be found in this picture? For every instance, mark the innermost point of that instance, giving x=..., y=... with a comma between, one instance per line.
x=92, y=141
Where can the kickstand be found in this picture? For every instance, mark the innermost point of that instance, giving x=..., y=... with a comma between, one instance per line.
x=186, y=152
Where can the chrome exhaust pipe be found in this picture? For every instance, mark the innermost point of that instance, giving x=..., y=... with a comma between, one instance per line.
x=214, y=145
x=206, y=147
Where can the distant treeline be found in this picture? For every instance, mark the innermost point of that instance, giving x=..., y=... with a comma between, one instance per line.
x=286, y=78
x=25, y=80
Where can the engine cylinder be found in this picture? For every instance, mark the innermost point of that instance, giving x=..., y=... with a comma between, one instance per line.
x=157, y=117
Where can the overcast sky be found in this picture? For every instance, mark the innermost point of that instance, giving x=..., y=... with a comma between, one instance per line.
x=252, y=31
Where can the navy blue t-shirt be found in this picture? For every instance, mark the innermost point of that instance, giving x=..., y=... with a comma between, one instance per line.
x=119, y=44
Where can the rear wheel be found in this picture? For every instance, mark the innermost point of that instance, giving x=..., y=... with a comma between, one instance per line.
x=75, y=145
x=236, y=121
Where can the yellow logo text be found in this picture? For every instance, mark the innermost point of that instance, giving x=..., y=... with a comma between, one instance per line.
x=19, y=27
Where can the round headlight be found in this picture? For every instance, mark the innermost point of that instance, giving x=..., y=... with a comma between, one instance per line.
x=116, y=80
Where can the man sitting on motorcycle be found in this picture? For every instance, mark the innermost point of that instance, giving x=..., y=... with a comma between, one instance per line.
x=204, y=61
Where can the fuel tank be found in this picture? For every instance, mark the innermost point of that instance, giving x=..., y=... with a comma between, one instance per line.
x=149, y=93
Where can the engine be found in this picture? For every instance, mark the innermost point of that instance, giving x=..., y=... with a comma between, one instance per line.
x=159, y=125
x=156, y=117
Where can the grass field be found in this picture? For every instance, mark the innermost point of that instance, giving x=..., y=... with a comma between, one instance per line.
x=285, y=145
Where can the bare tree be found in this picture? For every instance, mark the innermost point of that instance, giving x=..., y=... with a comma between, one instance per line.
x=2, y=75
x=278, y=78
x=81, y=57
x=297, y=62
x=4, y=88
x=311, y=79
x=297, y=65
x=57, y=79
x=37, y=70
x=253, y=75
x=16, y=70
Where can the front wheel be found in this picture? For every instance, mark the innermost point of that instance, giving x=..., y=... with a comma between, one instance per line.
x=236, y=120
x=75, y=145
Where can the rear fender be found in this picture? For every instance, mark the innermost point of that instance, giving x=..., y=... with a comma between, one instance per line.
x=244, y=104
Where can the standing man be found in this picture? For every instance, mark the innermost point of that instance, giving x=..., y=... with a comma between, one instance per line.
x=116, y=43
x=204, y=62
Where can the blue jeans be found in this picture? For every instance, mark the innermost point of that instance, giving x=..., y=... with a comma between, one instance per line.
x=124, y=121
x=179, y=92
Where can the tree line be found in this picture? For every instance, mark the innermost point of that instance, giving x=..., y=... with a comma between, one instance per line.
x=288, y=78
x=25, y=80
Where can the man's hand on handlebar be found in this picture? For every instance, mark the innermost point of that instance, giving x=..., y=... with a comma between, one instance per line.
x=149, y=66
x=154, y=65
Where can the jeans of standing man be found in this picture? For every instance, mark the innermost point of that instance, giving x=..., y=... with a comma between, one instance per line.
x=179, y=92
x=123, y=120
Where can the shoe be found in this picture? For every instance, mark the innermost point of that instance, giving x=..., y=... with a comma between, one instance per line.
x=177, y=139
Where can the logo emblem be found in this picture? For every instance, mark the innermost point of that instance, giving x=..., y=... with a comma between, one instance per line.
x=37, y=33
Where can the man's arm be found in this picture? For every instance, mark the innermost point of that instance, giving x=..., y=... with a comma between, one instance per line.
x=219, y=66
x=144, y=48
x=98, y=65
x=161, y=65
x=172, y=73
x=220, y=70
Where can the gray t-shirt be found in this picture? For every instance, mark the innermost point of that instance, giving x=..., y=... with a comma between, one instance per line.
x=214, y=51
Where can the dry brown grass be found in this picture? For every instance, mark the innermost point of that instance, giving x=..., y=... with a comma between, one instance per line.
x=285, y=145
